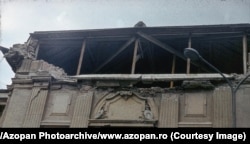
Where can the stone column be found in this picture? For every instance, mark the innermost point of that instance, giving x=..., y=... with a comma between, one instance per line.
x=222, y=107
x=169, y=111
x=36, y=105
x=17, y=107
x=82, y=109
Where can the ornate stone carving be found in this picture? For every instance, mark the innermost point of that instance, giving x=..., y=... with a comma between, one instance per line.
x=122, y=107
x=99, y=114
x=148, y=115
x=125, y=94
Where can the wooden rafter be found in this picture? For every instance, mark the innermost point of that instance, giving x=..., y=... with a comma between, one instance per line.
x=162, y=45
x=134, y=56
x=168, y=48
x=244, y=41
x=81, y=57
x=121, y=49
x=173, y=70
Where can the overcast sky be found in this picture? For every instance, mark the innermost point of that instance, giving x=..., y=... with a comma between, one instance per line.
x=21, y=17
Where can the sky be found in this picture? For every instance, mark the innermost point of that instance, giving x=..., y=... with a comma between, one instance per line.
x=19, y=18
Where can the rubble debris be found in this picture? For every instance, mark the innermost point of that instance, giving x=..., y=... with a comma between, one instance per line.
x=18, y=52
x=197, y=84
x=41, y=67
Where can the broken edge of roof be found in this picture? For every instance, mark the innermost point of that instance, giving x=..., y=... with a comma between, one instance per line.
x=4, y=49
x=124, y=28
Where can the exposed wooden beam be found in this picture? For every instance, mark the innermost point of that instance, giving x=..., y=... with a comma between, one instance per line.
x=188, y=60
x=81, y=57
x=244, y=41
x=173, y=70
x=121, y=49
x=134, y=56
x=168, y=48
x=162, y=45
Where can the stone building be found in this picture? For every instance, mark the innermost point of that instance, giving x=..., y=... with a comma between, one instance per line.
x=128, y=77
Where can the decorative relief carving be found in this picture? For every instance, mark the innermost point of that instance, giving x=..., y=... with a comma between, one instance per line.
x=125, y=106
x=148, y=115
x=125, y=93
x=99, y=114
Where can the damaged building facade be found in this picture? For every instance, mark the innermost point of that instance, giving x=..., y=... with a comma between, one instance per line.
x=128, y=77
